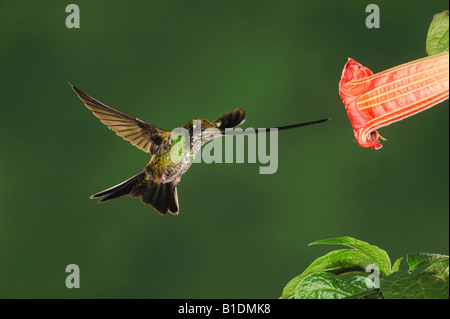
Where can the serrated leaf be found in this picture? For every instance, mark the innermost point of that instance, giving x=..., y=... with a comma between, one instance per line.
x=338, y=261
x=437, y=37
x=400, y=285
x=323, y=285
x=415, y=260
x=377, y=255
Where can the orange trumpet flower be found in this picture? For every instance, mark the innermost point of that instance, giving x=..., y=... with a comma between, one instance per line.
x=376, y=100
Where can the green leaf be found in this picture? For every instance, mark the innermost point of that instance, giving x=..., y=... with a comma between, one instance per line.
x=437, y=38
x=397, y=264
x=415, y=260
x=323, y=285
x=338, y=261
x=377, y=255
x=367, y=294
x=400, y=285
x=438, y=269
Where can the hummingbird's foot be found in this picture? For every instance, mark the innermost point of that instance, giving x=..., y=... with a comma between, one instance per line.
x=176, y=181
x=163, y=179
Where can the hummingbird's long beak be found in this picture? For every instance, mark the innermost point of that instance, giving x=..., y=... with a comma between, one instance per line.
x=279, y=128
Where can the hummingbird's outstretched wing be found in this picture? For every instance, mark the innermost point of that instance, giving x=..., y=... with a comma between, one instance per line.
x=141, y=134
x=231, y=119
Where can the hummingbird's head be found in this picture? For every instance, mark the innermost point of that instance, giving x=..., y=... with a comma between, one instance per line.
x=202, y=130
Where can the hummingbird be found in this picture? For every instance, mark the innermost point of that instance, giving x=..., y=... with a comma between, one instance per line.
x=172, y=152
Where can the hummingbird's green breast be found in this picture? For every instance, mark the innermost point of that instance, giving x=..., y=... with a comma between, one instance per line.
x=177, y=151
x=172, y=160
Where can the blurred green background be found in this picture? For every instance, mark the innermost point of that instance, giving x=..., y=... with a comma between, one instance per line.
x=239, y=234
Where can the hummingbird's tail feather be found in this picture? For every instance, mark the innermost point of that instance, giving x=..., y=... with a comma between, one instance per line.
x=162, y=197
x=121, y=189
x=230, y=119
